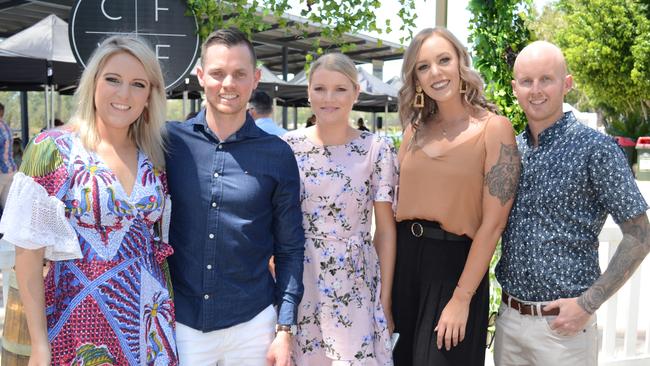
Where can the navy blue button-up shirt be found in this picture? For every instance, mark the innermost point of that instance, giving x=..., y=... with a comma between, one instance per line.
x=568, y=185
x=234, y=204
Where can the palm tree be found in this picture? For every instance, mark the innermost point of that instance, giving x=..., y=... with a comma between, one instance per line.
x=152, y=314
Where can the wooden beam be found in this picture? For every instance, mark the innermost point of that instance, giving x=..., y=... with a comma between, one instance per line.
x=441, y=13
x=297, y=37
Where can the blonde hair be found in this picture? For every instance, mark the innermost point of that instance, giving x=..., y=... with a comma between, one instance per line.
x=471, y=84
x=147, y=132
x=336, y=62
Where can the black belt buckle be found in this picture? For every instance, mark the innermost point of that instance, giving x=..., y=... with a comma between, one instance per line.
x=417, y=229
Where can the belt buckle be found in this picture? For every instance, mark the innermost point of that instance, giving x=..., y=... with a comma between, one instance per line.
x=416, y=229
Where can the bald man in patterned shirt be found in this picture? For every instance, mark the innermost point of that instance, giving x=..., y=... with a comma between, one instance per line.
x=572, y=177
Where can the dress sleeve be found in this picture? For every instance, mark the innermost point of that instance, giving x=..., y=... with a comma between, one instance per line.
x=34, y=215
x=384, y=172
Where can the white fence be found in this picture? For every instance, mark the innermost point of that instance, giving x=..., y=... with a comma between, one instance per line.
x=625, y=317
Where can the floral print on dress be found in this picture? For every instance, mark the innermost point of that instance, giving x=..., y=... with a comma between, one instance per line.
x=340, y=316
x=113, y=306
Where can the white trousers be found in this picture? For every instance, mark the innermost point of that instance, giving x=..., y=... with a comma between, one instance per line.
x=528, y=340
x=244, y=344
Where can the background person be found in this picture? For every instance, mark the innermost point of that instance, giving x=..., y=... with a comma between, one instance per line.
x=361, y=125
x=91, y=198
x=311, y=120
x=572, y=177
x=235, y=191
x=7, y=165
x=345, y=315
x=459, y=169
x=260, y=106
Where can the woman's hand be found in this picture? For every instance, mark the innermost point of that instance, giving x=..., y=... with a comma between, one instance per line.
x=40, y=356
x=453, y=320
x=388, y=313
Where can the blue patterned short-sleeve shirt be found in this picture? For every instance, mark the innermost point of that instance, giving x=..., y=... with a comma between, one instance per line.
x=568, y=185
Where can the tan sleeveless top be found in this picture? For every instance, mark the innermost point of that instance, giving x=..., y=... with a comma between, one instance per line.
x=447, y=188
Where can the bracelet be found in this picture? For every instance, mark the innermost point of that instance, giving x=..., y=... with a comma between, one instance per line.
x=469, y=292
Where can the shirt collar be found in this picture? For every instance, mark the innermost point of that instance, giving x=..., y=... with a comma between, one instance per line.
x=551, y=133
x=247, y=130
x=264, y=120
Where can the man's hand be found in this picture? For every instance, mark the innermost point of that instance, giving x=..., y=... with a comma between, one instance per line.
x=572, y=318
x=279, y=353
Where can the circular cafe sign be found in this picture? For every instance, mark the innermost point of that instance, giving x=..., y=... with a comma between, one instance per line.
x=163, y=23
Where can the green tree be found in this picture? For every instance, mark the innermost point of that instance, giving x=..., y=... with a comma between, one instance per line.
x=607, y=47
x=335, y=17
x=498, y=31
x=546, y=27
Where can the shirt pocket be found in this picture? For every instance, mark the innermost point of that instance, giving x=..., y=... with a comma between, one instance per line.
x=250, y=188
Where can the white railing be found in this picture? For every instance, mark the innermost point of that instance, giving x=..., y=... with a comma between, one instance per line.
x=625, y=318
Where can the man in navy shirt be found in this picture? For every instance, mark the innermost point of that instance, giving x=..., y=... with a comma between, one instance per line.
x=572, y=176
x=235, y=203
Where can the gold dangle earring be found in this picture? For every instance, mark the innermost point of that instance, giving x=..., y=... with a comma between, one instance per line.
x=463, y=87
x=418, y=102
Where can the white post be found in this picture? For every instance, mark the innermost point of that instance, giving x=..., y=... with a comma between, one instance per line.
x=609, y=326
x=7, y=260
x=632, y=315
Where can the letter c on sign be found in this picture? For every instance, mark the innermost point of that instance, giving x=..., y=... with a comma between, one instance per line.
x=106, y=14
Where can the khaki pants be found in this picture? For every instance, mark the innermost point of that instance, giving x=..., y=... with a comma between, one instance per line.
x=527, y=340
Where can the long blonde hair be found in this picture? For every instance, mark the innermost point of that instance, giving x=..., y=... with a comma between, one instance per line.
x=471, y=82
x=147, y=132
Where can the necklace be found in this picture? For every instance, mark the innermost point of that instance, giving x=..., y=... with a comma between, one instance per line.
x=447, y=124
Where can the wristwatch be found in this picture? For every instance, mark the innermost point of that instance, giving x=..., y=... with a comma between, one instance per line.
x=291, y=329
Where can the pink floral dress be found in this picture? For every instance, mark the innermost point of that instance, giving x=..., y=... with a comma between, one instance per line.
x=340, y=316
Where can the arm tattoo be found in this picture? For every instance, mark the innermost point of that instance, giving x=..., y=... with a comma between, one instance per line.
x=503, y=178
x=629, y=255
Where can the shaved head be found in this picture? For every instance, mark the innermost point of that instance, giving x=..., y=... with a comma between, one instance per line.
x=540, y=82
x=542, y=49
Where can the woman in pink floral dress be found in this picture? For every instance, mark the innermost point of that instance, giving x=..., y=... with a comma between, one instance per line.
x=344, y=317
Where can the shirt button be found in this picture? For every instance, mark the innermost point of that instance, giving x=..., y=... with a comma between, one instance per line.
x=216, y=174
x=214, y=204
x=206, y=296
x=209, y=266
x=211, y=236
x=220, y=146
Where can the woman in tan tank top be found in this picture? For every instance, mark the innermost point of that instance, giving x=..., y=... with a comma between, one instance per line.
x=459, y=169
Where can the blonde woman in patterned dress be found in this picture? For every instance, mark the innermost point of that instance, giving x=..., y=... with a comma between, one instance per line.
x=345, y=314
x=91, y=199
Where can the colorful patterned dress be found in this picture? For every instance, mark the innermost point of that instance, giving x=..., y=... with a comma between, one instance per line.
x=340, y=316
x=112, y=306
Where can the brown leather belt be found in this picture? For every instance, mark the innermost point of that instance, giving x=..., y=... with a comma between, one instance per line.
x=527, y=309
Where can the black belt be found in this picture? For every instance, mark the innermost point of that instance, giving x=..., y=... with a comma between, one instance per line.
x=419, y=229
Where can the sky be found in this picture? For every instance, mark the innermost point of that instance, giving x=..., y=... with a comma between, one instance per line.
x=457, y=22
